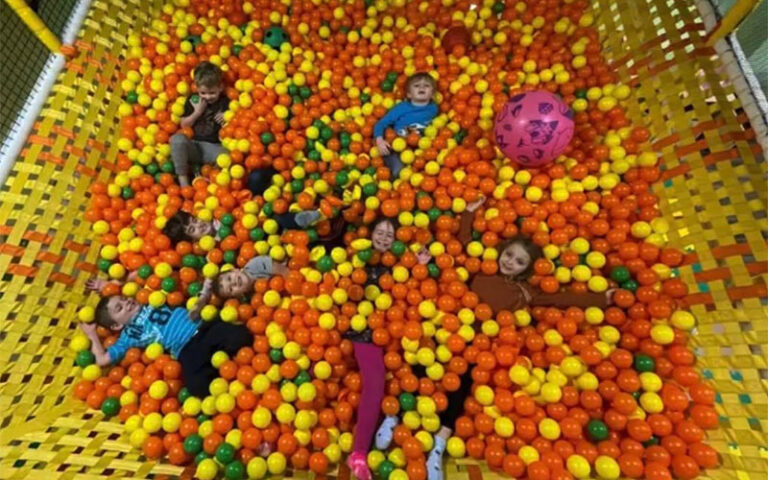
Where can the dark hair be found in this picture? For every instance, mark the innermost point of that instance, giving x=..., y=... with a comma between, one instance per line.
x=217, y=285
x=176, y=228
x=534, y=251
x=420, y=76
x=207, y=75
x=379, y=220
x=102, y=314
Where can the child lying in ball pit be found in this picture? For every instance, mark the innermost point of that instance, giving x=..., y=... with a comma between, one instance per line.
x=507, y=290
x=191, y=341
x=237, y=282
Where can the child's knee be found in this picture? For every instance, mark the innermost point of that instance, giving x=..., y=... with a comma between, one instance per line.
x=179, y=139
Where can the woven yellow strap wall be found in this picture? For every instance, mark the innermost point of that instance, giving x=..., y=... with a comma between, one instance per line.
x=713, y=193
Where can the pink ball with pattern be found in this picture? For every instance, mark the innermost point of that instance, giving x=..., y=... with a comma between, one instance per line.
x=534, y=128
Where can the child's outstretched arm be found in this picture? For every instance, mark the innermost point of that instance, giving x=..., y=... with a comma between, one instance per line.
x=101, y=355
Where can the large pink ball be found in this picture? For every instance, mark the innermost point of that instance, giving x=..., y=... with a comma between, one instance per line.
x=534, y=128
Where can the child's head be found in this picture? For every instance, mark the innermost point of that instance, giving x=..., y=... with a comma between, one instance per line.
x=383, y=234
x=517, y=256
x=116, y=312
x=420, y=88
x=232, y=284
x=208, y=81
x=183, y=227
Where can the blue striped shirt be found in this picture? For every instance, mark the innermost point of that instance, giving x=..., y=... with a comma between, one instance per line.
x=406, y=116
x=171, y=327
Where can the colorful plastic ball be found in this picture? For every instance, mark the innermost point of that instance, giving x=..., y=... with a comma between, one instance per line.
x=276, y=463
x=662, y=334
x=578, y=466
x=456, y=447
x=407, y=401
x=91, y=372
x=683, y=320
x=275, y=36
x=456, y=36
x=84, y=358
x=225, y=453
x=79, y=343
x=257, y=468
x=206, y=470
x=86, y=314
x=644, y=363
x=385, y=469
x=110, y=406
x=235, y=470
x=534, y=128
x=597, y=430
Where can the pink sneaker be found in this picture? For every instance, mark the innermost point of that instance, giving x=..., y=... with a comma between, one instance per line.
x=358, y=464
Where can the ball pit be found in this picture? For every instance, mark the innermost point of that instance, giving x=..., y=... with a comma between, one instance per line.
x=591, y=211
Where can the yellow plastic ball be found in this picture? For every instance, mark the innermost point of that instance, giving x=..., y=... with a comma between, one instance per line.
x=91, y=372
x=158, y=390
x=504, y=427
x=484, y=395
x=86, y=314
x=256, y=468
x=206, y=469
x=662, y=334
x=683, y=320
x=578, y=466
x=607, y=468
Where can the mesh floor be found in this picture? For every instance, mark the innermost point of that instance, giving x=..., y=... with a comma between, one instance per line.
x=713, y=193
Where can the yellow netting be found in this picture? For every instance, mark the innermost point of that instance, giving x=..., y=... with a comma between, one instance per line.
x=713, y=193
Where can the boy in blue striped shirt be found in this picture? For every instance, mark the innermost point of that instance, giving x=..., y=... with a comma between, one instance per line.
x=192, y=342
x=413, y=115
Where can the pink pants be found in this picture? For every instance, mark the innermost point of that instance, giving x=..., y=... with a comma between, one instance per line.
x=370, y=360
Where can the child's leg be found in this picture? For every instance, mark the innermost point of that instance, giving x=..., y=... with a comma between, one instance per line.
x=395, y=165
x=258, y=180
x=210, y=151
x=448, y=421
x=183, y=152
x=370, y=360
x=195, y=358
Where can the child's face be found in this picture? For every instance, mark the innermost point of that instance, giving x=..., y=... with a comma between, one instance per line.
x=197, y=229
x=234, y=283
x=420, y=91
x=383, y=235
x=209, y=94
x=514, y=260
x=121, y=310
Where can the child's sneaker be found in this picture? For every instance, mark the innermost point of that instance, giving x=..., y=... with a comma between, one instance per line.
x=358, y=465
x=435, y=460
x=307, y=218
x=385, y=432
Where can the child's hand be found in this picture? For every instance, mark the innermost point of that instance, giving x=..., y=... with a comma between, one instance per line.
x=200, y=106
x=423, y=256
x=472, y=206
x=609, y=295
x=95, y=284
x=219, y=117
x=384, y=147
x=89, y=329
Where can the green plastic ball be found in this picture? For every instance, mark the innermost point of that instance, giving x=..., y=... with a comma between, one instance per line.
x=325, y=263
x=398, y=248
x=597, y=430
x=275, y=36
x=103, y=264
x=234, y=470
x=644, y=363
x=276, y=355
x=620, y=274
x=407, y=401
x=168, y=284
x=225, y=453
x=385, y=469
x=110, y=406
x=132, y=97
x=228, y=219
x=145, y=271
x=84, y=358
x=193, y=444
x=257, y=234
